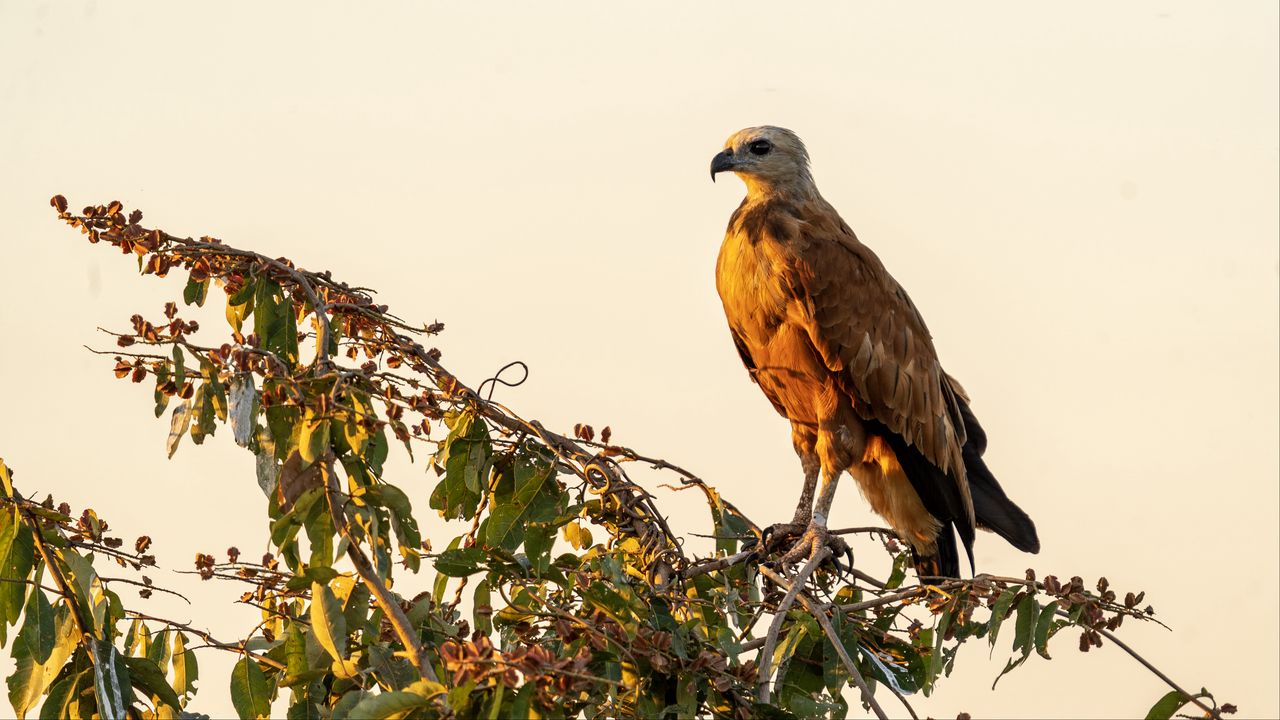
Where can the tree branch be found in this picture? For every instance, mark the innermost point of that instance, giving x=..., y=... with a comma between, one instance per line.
x=390, y=606
x=771, y=639
x=819, y=612
x=1212, y=712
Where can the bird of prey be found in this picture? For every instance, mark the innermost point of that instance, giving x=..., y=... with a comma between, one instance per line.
x=841, y=351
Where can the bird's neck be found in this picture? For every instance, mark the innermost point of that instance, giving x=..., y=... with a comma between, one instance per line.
x=762, y=189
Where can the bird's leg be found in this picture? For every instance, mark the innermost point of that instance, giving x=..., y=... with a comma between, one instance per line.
x=804, y=509
x=815, y=535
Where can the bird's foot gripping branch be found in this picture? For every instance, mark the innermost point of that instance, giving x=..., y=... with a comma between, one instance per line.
x=566, y=592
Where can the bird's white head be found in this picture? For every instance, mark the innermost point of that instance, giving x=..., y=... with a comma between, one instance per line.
x=770, y=160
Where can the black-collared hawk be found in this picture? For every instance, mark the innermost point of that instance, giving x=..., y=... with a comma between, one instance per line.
x=840, y=350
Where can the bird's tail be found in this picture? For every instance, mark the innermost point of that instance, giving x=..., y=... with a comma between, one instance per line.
x=994, y=510
x=945, y=560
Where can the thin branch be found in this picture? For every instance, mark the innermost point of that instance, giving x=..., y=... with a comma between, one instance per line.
x=395, y=614
x=1212, y=712
x=867, y=530
x=210, y=641
x=771, y=639
x=714, y=565
x=157, y=588
x=33, y=583
x=819, y=613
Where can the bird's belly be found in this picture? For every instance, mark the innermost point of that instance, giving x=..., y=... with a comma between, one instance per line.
x=792, y=375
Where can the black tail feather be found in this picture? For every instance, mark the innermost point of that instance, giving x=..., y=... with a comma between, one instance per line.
x=992, y=509
x=941, y=497
x=945, y=561
x=995, y=511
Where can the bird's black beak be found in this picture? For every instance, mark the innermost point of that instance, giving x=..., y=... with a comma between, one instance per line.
x=721, y=162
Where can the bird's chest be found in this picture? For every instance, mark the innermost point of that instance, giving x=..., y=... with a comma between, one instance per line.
x=751, y=277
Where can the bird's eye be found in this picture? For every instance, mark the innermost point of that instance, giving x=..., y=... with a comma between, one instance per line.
x=760, y=147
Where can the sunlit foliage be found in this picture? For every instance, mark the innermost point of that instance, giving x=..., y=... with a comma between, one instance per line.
x=582, y=599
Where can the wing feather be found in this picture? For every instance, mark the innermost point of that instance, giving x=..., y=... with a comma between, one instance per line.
x=866, y=328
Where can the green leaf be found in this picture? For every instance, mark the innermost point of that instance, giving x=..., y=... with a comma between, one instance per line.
x=482, y=608
x=899, y=572
x=146, y=675
x=185, y=668
x=529, y=472
x=240, y=304
x=460, y=562
x=179, y=366
x=354, y=432
x=402, y=520
x=37, y=628
x=934, y=667
x=162, y=400
x=524, y=703
x=377, y=451
x=16, y=563
x=387, y=705
x=64, y=695
x=538, y=541
x=355, y=606
x=295, y=650
x=249, y=690
x=1043, y=627
x=342, y=708
x=1028, y=612
x=497, y=527
x=313, y=440
x=320, y=532
x=202, y=414
x=281, y=420
x=274, y=322
x=998, y=612
x=442, y=579
x=195, y=291
x=83, y=581
x=287, y=525
x=217, y=392
x=465, y=454
x=181, y=420
x=9, y=524
x=327, y=621
x=29, y=678
x=314, y=574
x=1167, y=705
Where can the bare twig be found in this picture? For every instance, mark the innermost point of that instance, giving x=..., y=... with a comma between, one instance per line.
x=209, y=640
x=1212, y=712
x=819, y=613
x=719, y=564
x=771, y=638
x=867, y=530
x=157, y=588
x=390, y=606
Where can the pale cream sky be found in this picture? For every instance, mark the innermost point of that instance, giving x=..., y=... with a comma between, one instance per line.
x=1082, y=201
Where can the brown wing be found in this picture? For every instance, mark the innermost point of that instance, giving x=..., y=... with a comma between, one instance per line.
x=868, y=330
